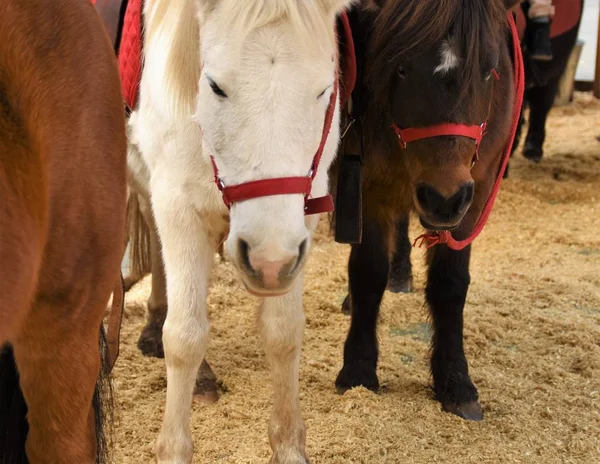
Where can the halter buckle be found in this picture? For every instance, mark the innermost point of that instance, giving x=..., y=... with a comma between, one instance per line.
x=402, y=142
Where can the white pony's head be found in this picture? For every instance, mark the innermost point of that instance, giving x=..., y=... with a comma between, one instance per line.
x=268, y=71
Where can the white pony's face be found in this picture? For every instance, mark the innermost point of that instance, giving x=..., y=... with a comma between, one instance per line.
x=261, y=106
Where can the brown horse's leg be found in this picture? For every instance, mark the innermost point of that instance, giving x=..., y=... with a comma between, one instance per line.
x=59, y=363
x=150, y=341
x=138, y=238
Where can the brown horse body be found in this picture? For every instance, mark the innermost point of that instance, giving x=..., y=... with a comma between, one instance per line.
x=406, y=79
x=62, y=219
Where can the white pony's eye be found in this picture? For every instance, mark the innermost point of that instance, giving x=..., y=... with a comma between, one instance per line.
x=215, y=88
x=323, y=92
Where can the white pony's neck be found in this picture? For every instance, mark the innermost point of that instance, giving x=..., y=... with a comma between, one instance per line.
x=172, y=55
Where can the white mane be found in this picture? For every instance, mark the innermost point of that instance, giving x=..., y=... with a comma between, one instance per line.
x=172, y=31
x=306, y=16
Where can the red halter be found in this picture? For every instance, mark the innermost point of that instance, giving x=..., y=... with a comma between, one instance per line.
x=449, y=129
x=476, y=133
x=285, y=185
x=299, y=185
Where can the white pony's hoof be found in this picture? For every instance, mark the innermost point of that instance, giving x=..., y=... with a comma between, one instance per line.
x=296, y=458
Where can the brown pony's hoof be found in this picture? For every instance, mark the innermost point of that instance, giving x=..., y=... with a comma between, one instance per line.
x=358, y=373
x=150, y=341
x=206, y=389
x=347, y=306
x=533, y=153
x=468, y=411
x=400, y=286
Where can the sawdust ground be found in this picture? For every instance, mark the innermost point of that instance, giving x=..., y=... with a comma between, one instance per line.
x=532, y=336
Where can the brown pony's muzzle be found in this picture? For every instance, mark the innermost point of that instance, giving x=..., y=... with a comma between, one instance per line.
x=441, y=212
x=441, y=179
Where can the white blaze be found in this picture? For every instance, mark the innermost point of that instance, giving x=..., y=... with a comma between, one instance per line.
x=449, y=60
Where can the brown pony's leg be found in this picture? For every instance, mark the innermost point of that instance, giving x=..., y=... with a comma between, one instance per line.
x=401, y=269
x=150, y=341
x=54, y=354
x=446, y=293
x=540, y=101
x=368, y=271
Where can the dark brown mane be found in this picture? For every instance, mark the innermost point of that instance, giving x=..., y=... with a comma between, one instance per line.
x=403, y=28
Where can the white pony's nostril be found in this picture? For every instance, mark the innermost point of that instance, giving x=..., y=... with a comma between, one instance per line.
x=243, y=250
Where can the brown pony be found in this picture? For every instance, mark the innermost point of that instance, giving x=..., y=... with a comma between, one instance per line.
x=62, y=226
x=421, y=64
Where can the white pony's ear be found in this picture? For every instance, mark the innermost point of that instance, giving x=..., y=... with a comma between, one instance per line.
x=337, y=6
x=204, y=7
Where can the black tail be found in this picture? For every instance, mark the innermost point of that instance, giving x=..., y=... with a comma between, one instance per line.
x=13, y=411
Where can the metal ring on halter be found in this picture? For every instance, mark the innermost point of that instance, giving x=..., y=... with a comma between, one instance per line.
x=402, y=142
x=347, y=128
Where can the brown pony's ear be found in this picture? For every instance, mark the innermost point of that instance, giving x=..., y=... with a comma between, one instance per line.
x=373, y=5
x=510, y=4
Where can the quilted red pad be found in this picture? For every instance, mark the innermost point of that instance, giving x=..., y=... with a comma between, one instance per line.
x=130, y=52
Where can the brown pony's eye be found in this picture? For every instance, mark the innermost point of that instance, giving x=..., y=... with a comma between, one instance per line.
x=401, y=72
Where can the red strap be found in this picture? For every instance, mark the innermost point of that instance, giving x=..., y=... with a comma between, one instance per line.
x=326, y=127
x=347, y=60
x=267, y=187
x=418, y=133
x=286, y=185
x=431, y=239
x=318, y=205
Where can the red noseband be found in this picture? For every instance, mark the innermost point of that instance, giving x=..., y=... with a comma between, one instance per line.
x=475, y=132
x=458, y=130
x=285, y=185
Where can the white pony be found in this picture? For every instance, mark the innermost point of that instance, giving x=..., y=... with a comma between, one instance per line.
x=249, y=83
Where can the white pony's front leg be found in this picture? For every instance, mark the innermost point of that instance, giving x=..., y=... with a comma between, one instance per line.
x=281, y=322
x=188, y=252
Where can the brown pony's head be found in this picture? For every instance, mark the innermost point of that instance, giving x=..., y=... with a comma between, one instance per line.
x=433, y=62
